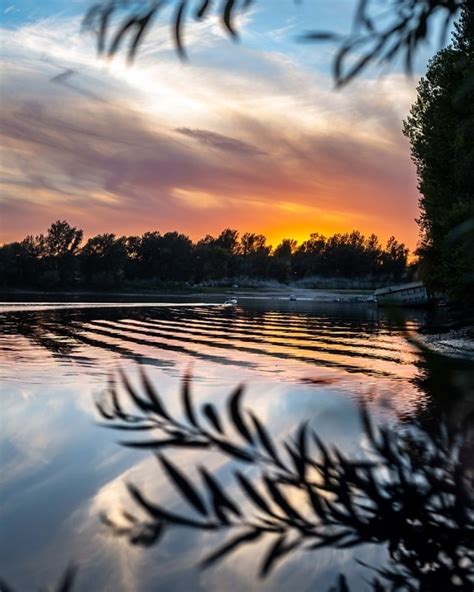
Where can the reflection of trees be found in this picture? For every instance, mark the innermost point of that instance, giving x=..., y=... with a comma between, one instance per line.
x=40, y=329
x=411, y=492
x=60, y=332
x=449, y=382
x=64, y=332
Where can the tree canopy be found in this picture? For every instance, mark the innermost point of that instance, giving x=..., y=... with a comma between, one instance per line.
x=59, y=260
x=440, y=128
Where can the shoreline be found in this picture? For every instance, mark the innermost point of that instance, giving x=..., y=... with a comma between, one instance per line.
x=352, y=296
x=456, y=343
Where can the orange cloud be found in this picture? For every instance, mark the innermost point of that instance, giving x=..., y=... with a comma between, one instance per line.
x=198, y=149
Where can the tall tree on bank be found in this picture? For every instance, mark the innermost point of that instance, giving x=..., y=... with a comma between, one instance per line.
x=440, y=128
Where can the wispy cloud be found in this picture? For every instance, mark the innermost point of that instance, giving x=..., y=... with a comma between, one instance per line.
x=225, y=140
x=220, y=142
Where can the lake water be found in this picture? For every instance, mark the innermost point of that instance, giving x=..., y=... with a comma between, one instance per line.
x=298, y=360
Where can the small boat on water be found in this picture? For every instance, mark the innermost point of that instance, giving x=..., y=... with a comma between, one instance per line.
x=412, y=294
x=230, y=302
x=292, y=298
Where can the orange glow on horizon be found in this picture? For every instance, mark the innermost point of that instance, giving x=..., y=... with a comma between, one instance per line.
x=179, y=149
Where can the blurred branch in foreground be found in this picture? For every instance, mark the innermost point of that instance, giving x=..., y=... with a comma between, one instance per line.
x=412, y=490
x=382, y=32
x=66, y=583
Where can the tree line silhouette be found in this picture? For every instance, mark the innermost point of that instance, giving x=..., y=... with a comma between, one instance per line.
x=59, y=259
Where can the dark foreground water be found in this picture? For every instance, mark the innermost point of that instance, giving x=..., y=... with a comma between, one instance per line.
x=300, y=361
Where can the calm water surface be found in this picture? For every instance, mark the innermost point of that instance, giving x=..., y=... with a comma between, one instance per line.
x=299, y=360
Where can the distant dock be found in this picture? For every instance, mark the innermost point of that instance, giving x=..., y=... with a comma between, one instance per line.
x=412, y=294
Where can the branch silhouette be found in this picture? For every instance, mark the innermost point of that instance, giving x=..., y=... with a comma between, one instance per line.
x=411, y=492
x=381, y=32
x=66, y=584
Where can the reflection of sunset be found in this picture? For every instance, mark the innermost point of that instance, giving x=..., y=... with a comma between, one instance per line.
x=213, y=377
x=294, y=346
x=297, y=361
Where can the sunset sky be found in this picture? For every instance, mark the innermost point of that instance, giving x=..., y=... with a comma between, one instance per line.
x=250, y=136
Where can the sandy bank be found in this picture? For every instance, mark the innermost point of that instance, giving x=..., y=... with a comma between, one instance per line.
x=458, y=343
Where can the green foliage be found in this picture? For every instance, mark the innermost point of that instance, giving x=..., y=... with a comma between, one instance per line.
x=440, y=128
x=56, y=261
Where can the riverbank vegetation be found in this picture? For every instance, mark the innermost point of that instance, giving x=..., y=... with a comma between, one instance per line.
x=440, y=128
x=60, y=259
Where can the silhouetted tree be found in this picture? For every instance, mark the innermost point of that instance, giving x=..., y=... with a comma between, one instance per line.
x=103, y=260
x=58, y=250
x=20, y=264
x=281, y=265
x=309, y=258
x=255, y=252
x=440, y=128
x=394, y=258
x=176, y=257
x=373, y=254
x=216, y=258
x=62, y=240
x=133, y=266
x=228, y=239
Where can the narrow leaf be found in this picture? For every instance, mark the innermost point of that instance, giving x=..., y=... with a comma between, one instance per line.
x=187, y=402
x=184, y=485
x=159, y=513
x=153, y=395
x=117, y=40
x=281, y=500
x=266, y=441
x=253, y=494
x=139, y=402
x=277, y=551
x=211, y=414
x=227, y=17
x=237, y=416
x=128, y=427
x=234, y=451
x=178, y=24
x=219, y=498
x=230, y=546
x=319, y=36
x=142, y=27
x=67, y=580
x=202, y=10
